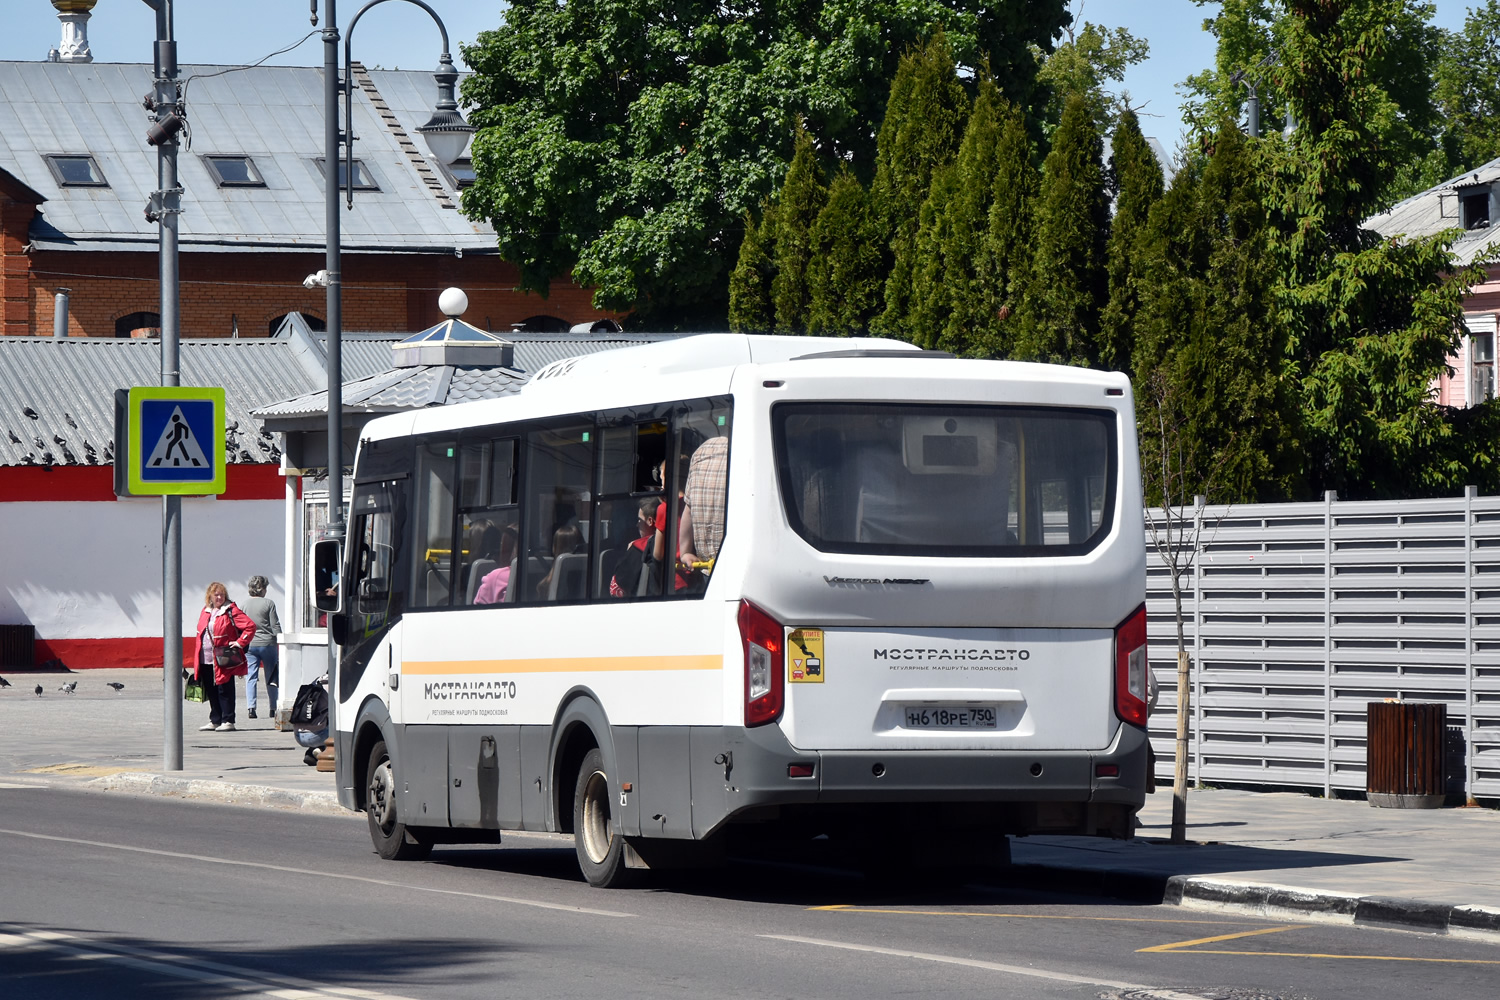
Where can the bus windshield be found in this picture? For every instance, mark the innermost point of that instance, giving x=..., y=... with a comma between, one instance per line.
x=953, y=480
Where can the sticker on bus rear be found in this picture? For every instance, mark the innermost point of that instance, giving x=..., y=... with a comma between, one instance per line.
x=804, y=656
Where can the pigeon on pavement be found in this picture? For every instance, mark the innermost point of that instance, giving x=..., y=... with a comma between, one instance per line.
x=116, y=685
x=38, y=690
x=69, y=687
x=4, y=683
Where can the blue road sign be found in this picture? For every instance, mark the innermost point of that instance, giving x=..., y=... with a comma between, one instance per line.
x=176, y=440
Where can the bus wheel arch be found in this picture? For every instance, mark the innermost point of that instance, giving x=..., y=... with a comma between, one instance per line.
x=370, y=727
x=581, y=726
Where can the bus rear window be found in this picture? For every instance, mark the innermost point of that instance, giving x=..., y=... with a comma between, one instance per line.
x=923, y=479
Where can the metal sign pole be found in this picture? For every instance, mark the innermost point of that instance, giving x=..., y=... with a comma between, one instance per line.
x=334, y=324
x=171, y=520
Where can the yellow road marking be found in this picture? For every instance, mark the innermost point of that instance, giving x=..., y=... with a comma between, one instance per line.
x=79, y=770
x=1177, y=945
x=1362, y=958
x=848, y=908
x=1187, y=948
x=561, y=664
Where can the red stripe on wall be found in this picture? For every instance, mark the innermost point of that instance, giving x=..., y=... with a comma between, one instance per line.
x=30, y=483
x=99, y=654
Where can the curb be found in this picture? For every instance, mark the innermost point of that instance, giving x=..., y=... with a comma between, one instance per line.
x=1476, y=923
x=229, y=793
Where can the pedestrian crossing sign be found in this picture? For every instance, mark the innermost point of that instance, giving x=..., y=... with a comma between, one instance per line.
x=176, y=436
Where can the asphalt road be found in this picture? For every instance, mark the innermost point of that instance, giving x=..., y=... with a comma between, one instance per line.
x=113, y=896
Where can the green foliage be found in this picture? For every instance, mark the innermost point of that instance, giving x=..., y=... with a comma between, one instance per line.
x=920, y=135
x=1085, y=63
x=1003, y=267
x=803, y=196
x=1060, y=320
x=1136, y=178
x=750, y=308
x=1467, y=91
x=846, y=277
x=623, y=142
x=948, y=302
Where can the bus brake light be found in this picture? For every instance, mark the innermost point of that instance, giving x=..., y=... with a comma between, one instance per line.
x=1131, y=703
x=763, y=638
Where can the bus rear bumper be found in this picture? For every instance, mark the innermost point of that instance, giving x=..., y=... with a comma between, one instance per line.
x=1060, y=791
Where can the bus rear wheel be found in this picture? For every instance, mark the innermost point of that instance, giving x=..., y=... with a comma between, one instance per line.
x=601, y=852
x=388, y=833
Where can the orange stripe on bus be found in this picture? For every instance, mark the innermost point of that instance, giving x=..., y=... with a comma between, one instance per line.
x=562, y=664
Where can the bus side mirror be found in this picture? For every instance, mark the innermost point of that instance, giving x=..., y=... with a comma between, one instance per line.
x=325, y=576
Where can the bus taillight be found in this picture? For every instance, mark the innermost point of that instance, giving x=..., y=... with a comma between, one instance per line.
x=762, y=637
x=1130, y=669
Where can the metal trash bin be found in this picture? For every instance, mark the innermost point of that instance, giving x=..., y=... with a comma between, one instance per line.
x=1404, y=747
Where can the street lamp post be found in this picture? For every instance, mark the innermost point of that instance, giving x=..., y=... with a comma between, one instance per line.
x=446, y=132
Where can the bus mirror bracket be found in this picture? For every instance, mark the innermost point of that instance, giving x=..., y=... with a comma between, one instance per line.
x=325, y=576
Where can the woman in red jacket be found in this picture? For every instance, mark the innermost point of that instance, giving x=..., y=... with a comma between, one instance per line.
x=224, y=633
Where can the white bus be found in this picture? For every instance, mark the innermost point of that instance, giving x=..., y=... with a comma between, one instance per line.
x=736, y=586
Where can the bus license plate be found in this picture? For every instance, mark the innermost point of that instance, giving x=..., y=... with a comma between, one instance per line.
x=950, y=717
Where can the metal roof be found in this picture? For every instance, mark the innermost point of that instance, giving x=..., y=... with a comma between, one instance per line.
x=1436, y=210
x=57, y=394
x=389, y=390
x=274, y=114
x=57, y=404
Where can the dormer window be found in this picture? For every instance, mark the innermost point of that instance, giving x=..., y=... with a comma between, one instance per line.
x=233, y=170
x=1474, y=206
x=76, y=170
x=363, y=179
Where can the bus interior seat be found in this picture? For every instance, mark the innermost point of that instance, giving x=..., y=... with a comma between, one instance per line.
x=477, y=573
x=512, y=583
x=437, y=587
x=608, y=560
x=568, y=577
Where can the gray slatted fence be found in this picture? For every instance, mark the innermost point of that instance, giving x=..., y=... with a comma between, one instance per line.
x=1297, y=615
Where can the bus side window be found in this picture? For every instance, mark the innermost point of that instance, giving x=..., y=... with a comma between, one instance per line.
x=488, y=521
x=433, y=560
x=630, y=456
x=705, y=498
x=559, y=502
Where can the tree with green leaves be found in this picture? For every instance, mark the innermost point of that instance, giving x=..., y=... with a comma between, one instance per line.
x=1369, y=322
x=622, y=143
x=846, y=276
x=1068, y=282
x=750, y=306
x=803, y=196
x=1085, y=62
x=924, y=123
x=1003, y=266
x=949, y=308
x=1136, y=180
x=1467, y=90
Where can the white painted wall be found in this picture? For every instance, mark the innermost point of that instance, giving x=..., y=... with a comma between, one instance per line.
x=92, y=570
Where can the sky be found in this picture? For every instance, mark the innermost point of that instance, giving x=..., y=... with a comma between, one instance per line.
x=399, y=35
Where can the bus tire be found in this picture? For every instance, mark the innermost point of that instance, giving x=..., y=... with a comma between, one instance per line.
x=601, y=851
x=387, y=832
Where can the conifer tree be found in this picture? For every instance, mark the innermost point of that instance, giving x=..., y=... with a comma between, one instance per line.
x=948, y=309
x=1062, y=303
x=1005, y=253
x=1137, y=181
x=923, y=124
x=844, y=277
x=750, y=307
x=802, y=197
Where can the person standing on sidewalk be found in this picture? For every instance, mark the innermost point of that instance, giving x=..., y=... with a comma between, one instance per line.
x=262, y=656
x=224, y=632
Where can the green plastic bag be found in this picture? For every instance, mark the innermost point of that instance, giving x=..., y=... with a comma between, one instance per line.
x=193, y=691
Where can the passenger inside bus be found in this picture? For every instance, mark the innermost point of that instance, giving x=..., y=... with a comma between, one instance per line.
x=628, y=577
x=565, y=578
x=700, y=528
x=493, y=585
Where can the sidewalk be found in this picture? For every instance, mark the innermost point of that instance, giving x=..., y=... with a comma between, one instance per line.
x=1274, y=854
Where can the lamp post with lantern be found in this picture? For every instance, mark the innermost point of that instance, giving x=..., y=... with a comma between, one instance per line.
x=446, y=134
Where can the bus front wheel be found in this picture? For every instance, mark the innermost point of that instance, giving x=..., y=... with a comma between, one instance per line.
x=388, y=833
x=601, y=852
